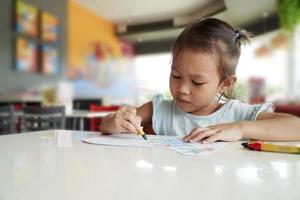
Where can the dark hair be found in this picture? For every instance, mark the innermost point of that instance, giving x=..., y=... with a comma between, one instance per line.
x=216, y=37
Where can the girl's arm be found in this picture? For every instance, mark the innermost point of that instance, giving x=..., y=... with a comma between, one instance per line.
x=272, y=126
x=145, y=112
x=268, y=126
x=126, y=119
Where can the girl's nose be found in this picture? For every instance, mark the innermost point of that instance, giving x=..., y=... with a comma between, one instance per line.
x=184, y=89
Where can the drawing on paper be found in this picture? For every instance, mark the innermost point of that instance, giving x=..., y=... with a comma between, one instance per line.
x=155, y=141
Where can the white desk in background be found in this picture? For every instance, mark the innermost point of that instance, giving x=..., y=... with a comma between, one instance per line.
x=57, y=165
x=83, y=114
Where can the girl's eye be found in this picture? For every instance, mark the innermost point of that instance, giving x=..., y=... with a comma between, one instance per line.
x=176, y=77
x=197, y=84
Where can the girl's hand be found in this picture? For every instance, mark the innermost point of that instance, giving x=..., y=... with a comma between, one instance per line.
x=123, y=120
x=224, y=132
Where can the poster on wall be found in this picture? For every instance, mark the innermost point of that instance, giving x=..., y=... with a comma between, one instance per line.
x=26, y=55
x=50, y=60
x=26, y=17
x=49, y=27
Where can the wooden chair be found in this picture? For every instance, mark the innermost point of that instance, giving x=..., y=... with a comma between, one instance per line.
x=95, y=122
x=43, y=118
x=7, y=120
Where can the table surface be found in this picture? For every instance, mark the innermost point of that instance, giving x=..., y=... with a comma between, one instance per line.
x=57, y=165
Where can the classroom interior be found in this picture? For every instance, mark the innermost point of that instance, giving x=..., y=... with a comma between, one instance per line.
x=82, y=53
x=66, y=64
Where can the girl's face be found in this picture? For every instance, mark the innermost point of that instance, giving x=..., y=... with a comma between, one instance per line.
x=195, y=82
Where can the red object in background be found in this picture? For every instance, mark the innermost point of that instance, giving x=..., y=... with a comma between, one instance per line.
x=293, y=109
x=95, y=122
x=127, y=49
x=257, y=90
x=18, y=107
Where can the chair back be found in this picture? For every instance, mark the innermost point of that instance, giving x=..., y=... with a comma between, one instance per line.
x=7, y=120
x=95, y=122
x=84, y=104
x=43, y=118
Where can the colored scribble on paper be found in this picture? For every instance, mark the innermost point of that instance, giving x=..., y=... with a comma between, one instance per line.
x=166, y=142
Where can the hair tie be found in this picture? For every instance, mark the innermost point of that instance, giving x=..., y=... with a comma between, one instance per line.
x=237, y=34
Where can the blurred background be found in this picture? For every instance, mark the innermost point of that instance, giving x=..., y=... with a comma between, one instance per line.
x=117, y=52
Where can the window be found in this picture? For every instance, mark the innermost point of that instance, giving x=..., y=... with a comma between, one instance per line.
x=262, y=60
x=152, y=75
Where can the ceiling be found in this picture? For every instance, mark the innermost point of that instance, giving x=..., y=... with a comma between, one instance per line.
x=141, y=11
x=125, y=13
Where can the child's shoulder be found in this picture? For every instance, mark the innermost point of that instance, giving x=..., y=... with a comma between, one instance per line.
x=237, y=104
x=246, y=110
x=159, y=98
x=160, y=102
x=234, y=103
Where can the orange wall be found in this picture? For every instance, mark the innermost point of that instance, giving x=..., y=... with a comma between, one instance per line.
x=84, y=29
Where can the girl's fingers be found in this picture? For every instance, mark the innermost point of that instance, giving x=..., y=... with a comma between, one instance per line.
x=130, y=115
x=202, y=135
x=128, y=109
x=128, y=119
x=138, y=120
x=194, y=132
x=127, y=127
x=188, y=137
x=212, y=138
x=132, y=118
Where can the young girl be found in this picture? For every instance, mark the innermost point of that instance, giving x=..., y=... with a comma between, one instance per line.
x=205, y=56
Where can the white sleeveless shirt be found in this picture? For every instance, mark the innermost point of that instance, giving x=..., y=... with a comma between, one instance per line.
x=168, y=119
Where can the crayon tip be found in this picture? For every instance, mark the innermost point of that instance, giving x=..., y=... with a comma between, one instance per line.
x=245, y=144
x=142, y=133
x=144, y=136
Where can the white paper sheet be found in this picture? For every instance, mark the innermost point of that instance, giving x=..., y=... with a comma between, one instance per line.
x=156, y=141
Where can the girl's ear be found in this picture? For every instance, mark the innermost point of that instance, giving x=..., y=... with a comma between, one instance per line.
x=227, y=84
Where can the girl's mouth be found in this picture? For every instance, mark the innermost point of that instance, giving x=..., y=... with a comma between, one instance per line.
x=182, y=101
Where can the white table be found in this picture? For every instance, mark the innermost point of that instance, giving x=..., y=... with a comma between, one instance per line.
x=57, y=165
